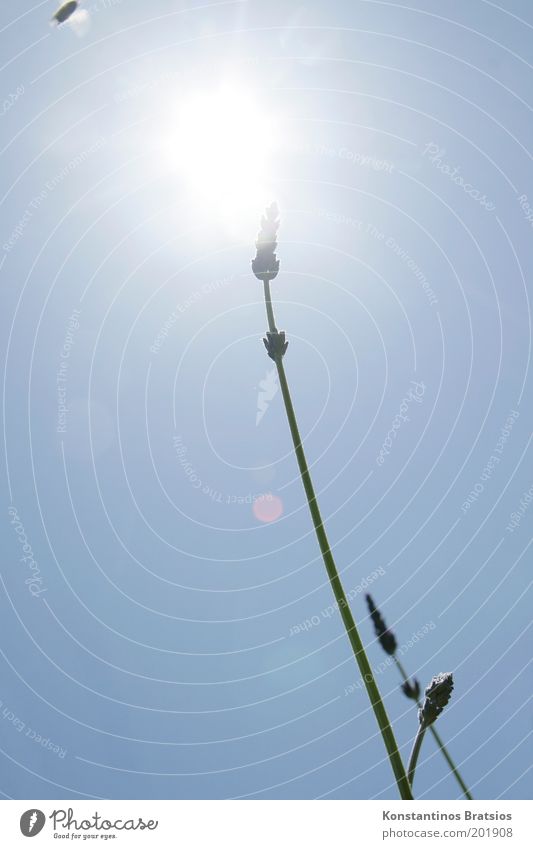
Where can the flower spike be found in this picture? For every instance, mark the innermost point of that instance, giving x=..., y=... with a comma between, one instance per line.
x=438, y=694
x=265, y=266
x=384, y=635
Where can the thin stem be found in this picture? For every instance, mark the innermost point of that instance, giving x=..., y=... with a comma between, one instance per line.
x=439, y=741
x=269, y=309
x=335, y=581
x=451, y=764
x=415, y=752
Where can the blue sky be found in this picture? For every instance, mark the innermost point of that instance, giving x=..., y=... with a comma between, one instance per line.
x=152, y=641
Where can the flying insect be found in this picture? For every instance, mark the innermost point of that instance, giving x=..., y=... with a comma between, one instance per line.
x=64, y=12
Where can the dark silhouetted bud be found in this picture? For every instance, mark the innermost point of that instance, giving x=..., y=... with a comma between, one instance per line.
x=438, y=693
x=265, y=266
x=412, y=691
x=64, y=12
x=275, y=344
x=386, y=637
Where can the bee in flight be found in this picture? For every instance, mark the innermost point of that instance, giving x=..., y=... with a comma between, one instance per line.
x=64, y=12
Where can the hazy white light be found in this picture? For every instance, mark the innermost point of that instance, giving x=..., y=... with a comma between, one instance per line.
x=80, y=22
x=220, y=141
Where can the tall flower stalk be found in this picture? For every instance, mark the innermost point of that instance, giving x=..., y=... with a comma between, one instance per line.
x=388, y=643
x=265, y=266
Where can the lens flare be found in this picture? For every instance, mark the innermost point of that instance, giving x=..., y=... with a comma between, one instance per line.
x=268, y=508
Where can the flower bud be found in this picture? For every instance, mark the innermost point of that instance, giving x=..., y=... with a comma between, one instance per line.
x=385, y=637
x=275, y=344
x=438, y=694
x=265, y=266
x=412, y=691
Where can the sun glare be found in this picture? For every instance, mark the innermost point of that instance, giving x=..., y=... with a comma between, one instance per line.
x=220, y=142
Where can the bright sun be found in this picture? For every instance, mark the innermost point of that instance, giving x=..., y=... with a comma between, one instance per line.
x=220, y=142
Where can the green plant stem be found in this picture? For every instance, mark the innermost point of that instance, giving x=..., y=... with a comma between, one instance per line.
x=270, y=311
x=335, y=581
x=417, y=745
x=439, y=741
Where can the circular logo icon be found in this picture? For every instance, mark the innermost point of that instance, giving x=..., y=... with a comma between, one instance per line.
x=32, y=822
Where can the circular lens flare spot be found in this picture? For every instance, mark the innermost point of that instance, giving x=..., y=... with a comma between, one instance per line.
x=268, y=508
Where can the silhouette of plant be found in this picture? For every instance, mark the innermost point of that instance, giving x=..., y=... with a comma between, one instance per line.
x=265, y=266
x=388, y=642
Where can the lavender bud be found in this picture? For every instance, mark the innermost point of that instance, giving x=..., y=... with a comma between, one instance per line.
x=412, y=691
x=385, y=637
x=265, y=266
x=438, y=694
x=275, y=344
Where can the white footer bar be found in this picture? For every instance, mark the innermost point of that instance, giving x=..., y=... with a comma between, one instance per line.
x=266, y=824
